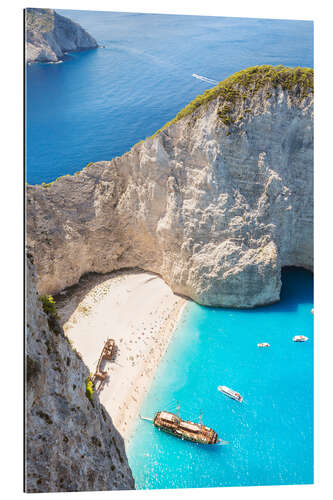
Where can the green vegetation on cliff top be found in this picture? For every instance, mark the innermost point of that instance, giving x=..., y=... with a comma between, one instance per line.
x=245, y=84
x=239, y=87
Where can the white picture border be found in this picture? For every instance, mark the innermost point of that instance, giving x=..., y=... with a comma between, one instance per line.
x=12, y=235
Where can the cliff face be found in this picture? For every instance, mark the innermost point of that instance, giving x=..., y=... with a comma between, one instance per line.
x=71, y=445
x=49, y=36
x=216, y=203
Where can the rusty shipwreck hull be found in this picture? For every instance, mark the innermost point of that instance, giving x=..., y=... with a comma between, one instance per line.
x=183, y=429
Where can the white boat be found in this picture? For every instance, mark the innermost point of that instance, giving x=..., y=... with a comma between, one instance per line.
x=300, y=338
x=229, y=392
x=264, y=344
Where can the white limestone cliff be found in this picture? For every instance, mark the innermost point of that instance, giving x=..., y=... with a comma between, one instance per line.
x=216, y=203
x=49, y=36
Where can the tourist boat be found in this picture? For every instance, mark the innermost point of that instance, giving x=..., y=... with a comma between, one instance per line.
x=264, y=344
x=196, y=432
x=229, y=392
x=300, y=338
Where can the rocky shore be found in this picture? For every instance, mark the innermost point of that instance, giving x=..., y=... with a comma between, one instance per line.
x=49, y=36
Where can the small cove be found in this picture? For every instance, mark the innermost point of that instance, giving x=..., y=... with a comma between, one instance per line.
x=95, y=106
x=270, y=435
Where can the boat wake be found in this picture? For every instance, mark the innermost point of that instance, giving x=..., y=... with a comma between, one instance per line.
x=204, y=79
x=221, y=442
x=54, y=62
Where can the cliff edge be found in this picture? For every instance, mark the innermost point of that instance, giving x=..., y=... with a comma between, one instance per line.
x=216, y=202
x=49, y=36
x=71, y=443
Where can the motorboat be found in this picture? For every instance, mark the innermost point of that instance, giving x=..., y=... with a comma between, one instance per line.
x=231, y=393
x=300, y=338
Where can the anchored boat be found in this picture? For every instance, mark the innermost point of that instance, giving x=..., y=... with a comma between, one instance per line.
x=263, y=344
x=229, y=392
x=300, y=338
x=183, y=429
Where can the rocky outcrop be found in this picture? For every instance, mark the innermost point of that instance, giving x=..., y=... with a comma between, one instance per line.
x=71, y=443
x=216, y=202
x=49, y=36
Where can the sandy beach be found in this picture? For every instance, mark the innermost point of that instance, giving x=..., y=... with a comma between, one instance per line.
x=139, y=311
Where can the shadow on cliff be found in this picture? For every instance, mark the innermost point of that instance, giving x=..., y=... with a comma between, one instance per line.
x=297, y=289
x=69, y=299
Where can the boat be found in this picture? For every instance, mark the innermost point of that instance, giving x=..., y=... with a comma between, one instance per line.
x=300, y=338
x=229, y=392
x=264, y=344
x=184, y=429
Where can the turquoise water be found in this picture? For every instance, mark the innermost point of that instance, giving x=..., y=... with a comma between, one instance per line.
x=270, y=434
x=97, y=104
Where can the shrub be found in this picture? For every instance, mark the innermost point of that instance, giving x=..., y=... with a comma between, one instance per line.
x=49, y=306
x=245, y=84
x=61, y=177
x=46, y=185
x=90, y=389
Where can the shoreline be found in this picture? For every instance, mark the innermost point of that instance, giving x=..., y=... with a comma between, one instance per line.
x=140, y=312
x=141, y=389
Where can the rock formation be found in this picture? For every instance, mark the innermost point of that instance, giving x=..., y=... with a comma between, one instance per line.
x=71, y=443
x=49, y=36
x=216, y=202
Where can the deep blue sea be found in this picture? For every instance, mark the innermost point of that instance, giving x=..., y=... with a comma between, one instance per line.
x=95, y=106
x=270, y=434
x=98, y=103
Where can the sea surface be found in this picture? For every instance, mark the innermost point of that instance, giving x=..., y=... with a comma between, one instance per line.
x=97, y=104
x=270, y=434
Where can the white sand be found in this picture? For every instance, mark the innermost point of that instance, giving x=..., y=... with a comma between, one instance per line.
x=139, y=311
